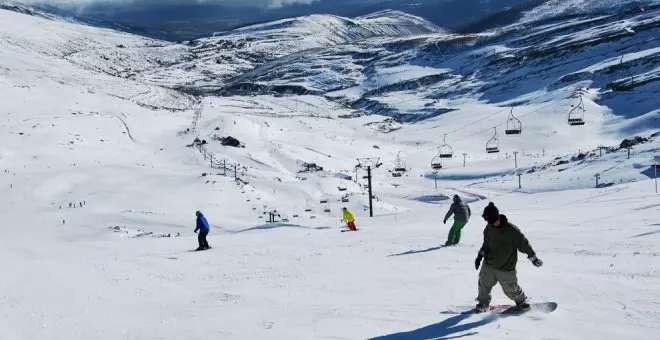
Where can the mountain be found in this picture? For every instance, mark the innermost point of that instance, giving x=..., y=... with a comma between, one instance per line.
x=110, y=142
x=181, y=20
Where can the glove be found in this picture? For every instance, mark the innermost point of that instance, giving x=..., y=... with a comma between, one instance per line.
x=477, y=262
x=444, y=221
x=536, y=261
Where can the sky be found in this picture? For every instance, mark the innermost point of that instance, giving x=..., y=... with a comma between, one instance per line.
x=266, y=3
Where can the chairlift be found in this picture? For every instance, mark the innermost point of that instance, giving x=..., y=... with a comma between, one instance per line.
x=629, y=84
x=493, y=145
x=446, y=150
x=436, y=163
x=513, y=125
x=400, y=165
x=576, y=115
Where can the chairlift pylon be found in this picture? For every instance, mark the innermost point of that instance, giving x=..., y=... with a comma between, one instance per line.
x=493, y=144
x=576, y=115
x=445, y=150
x=513, y=125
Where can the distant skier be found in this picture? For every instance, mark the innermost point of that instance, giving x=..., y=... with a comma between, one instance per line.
x=203, y=228
x=462, y=213
x=502, y=241
x=349, y=218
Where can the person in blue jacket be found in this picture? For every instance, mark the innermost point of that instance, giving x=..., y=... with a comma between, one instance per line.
x=203, y=228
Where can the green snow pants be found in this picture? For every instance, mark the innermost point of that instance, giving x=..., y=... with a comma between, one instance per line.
x=455, y=232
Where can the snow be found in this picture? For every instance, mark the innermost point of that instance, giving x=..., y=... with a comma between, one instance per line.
x=73, y=129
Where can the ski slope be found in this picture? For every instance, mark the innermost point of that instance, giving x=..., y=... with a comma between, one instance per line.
x=120, y=266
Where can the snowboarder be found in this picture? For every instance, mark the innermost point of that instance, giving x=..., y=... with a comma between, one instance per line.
x=462, y=213
x=349, y=218
x=502, y=241
x=203, y=228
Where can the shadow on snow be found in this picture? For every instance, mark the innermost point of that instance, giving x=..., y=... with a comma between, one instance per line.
x=445, y=330
x=269, y=226
x=411, y=252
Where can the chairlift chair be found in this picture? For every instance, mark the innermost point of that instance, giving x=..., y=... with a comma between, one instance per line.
x=327, y=209
x=323, y=200
x=436, y=163
x=629, y=84
x=396, y=174
x=345, y=199
x=513, y=125
x=342, y=188
x=576, y=115
x=446, y=150
x=400, y=165
x=493, y=145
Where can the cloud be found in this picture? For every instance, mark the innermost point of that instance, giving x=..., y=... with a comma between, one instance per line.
x=246, y=3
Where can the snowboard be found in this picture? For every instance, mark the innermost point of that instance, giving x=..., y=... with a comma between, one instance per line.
x=345, y=230
x=202, y=249
x=542, y=307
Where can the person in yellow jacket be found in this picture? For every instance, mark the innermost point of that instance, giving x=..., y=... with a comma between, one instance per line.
x=349, y=218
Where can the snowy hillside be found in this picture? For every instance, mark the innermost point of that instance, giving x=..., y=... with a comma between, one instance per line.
x=110, y=142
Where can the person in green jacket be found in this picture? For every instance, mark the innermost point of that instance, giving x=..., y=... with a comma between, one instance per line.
x=461, y=212
x=502, y=242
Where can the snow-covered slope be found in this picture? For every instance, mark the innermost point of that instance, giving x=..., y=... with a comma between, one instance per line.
x=100, y=180
x=228, y=54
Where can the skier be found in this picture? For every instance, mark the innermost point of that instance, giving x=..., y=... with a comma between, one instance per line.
x=349, y=218
x=203, y=228
x=462, y=213
x=502, y=241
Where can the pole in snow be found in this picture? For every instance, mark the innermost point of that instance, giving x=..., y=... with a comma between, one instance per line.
x=519, y=181
x=597, y=178
x=515, y=156
x=371, y=197
x=655, y=172
x=630, y=147
x=464, y=159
